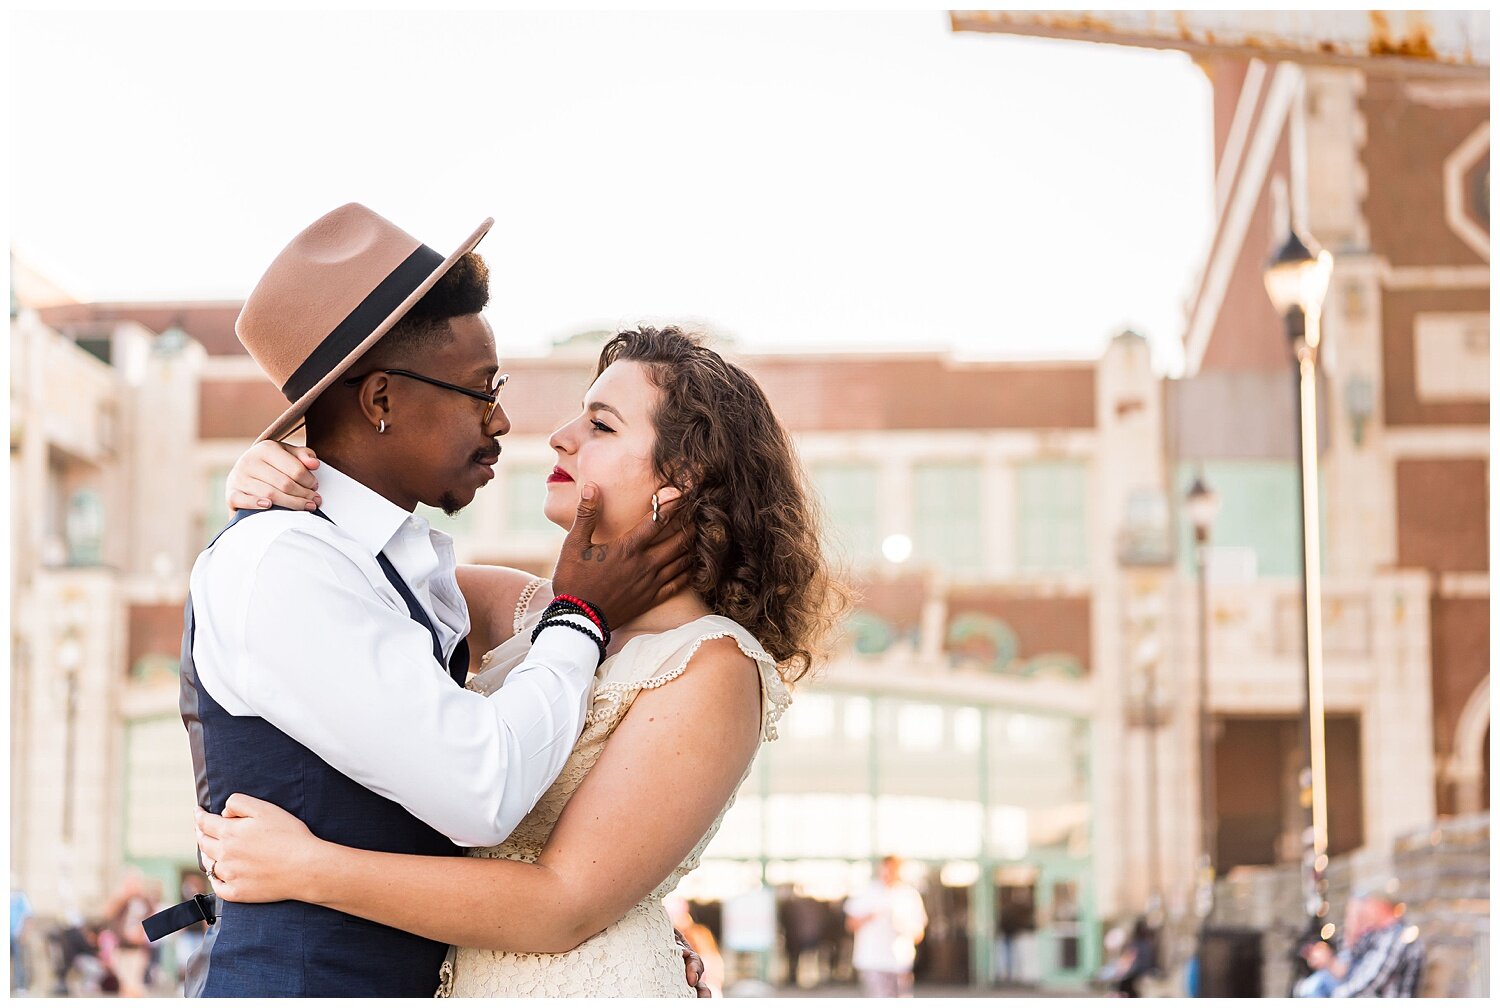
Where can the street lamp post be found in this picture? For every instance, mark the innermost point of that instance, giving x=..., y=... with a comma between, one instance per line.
x=1297, y=280
x=1203, y=508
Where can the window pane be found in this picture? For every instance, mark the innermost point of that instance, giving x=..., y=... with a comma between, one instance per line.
x=948, y=516
x=818, y=825
x=1038, y=780
x=816, y=780
x=919, y=727
x=850, y=510
x=1051, y=516
x=856, y=718
x=930, y=828
x=1259, y=510
x=968, y=725
x=928, y=792
x=814, y=718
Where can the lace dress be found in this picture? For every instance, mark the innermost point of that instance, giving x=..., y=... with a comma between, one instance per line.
x=636, y=956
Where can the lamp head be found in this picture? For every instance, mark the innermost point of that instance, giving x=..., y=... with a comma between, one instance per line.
x=1297, y=276
x=1202, y=506
x=171, y=339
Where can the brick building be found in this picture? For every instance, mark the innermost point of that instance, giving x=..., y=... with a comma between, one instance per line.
x=1371, y=131
x=1391, y=174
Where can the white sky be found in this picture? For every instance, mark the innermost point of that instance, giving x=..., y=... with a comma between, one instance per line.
x=842, y=181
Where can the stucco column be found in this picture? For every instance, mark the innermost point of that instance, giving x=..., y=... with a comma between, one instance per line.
x=1397, y=730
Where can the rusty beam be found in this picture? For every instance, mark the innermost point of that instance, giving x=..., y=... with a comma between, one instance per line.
x=1407, y=43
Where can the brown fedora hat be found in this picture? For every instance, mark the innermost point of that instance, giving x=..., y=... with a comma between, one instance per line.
x=329, y=297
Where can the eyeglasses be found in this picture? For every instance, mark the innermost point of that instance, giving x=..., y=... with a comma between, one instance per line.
x=491, y=399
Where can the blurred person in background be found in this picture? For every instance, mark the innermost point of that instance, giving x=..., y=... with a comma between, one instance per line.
x=1385, y=957
x=1017, y=917
x=701, y=940
x=20, y=916
x=888, y=921
x=838, y=944
x=1136, y=959
x=1321, y=981
x=129, y=950
x=804, y=923
x=1114, y=945
x=78, y=959
x=1322, y=961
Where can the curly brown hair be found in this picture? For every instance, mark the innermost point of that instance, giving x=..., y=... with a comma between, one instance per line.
x=759, y=559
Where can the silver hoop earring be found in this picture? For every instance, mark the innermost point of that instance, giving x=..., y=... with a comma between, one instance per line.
x=381, y=428
x=655, y=508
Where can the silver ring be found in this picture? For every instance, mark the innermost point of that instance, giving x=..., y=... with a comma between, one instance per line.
x=211, y=866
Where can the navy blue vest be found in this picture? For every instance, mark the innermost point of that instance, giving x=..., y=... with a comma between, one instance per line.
x=296, y=949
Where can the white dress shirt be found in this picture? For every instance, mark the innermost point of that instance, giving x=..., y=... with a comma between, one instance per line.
x=888, y=942
x=297, y=624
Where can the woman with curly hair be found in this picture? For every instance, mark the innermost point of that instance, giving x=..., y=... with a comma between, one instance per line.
x=571, y=902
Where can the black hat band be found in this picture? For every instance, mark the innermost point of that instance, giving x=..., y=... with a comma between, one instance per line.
x=362, y=321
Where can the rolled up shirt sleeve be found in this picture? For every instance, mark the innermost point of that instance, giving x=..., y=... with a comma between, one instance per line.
x=328, y=661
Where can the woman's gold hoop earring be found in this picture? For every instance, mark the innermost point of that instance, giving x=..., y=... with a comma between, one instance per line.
x=655, y=508
x=381, y=428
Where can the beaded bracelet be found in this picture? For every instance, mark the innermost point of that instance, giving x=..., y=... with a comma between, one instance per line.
x=558, y=622
x=582, y=628
x=555, y=618
x=569, y=609
x=588, y=612
x=589, y=609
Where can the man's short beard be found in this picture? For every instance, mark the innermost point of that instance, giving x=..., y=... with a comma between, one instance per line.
x=450, y=505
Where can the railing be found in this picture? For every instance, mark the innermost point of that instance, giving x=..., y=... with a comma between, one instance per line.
x=1264, y=619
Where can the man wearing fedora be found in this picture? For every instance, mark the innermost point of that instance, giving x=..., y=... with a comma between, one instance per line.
x=324, y=651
